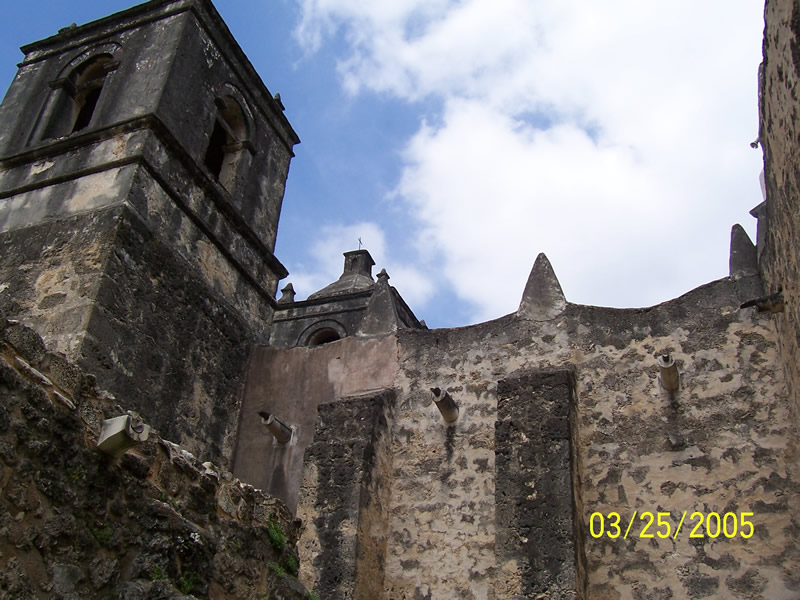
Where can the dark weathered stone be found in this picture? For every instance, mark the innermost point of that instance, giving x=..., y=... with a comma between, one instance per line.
x=85, y=527
x=381, y=316
x=535, y=513
x=287, y=294
x=743, y=259
x=348, y=492
x=120, y=242
x=25, y=341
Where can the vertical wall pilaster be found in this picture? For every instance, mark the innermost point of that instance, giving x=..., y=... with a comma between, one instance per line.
x=536, y=551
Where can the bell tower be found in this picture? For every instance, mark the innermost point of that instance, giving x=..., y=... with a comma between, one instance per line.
x=142, y=171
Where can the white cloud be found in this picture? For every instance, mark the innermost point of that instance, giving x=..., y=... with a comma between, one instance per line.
x=612, y=136
x=492, y=193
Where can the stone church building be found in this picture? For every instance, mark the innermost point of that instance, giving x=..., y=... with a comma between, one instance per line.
x=336, y=447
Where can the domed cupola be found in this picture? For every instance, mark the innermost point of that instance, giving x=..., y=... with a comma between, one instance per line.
x=354, y=304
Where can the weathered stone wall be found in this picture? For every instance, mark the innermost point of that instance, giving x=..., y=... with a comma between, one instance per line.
x=75, y=524
x=56, y=295
x=443, y=492
x=476, y=512
x=779, y=134
x=91, y=284
x=375, y=500
x=181, y=365
x=291, y=384
x=187, y=108
x=121, y=247
x=294, y=323
x=723, y=443
x=345, y=498
x=138, y=168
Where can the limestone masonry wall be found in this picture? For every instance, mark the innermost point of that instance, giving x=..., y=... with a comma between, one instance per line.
x=779, y=132
x=345, y=498
x=483, y=508
x=724, y=442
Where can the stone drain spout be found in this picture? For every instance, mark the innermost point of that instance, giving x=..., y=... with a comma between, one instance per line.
x=446, y=405
x=281, y=431
x=121, y=433
x=669, y=377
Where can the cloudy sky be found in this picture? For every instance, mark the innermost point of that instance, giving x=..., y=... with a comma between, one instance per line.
x=460, y=138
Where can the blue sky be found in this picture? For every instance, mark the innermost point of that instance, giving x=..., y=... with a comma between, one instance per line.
x=459, y=139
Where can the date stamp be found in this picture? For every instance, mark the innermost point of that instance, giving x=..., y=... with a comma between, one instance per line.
x=663, y=525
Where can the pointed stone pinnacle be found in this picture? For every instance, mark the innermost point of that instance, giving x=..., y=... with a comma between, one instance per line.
x=381, y=316
x=287, y=294
x=543, y=299
x=744, y=259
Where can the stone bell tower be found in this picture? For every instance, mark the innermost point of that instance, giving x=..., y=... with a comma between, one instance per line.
x=142, y=170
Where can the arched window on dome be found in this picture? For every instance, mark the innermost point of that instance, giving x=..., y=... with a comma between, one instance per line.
x=324, y=336
x=321, y=332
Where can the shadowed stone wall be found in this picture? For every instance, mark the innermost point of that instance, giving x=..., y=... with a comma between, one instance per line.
x=155, y=523
x=291, y=384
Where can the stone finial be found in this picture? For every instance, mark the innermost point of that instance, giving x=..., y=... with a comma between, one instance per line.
x=358, y=262
x=287, y=294
x=543, y=299
x=743, y=257
x=381, y=316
